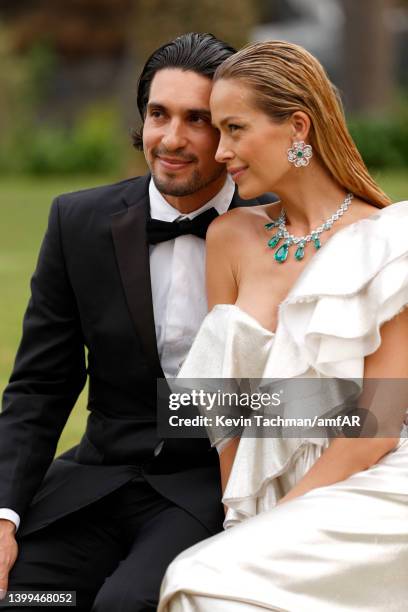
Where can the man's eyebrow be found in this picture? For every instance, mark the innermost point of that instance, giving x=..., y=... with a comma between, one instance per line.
x=202, y=112
x=156, y=105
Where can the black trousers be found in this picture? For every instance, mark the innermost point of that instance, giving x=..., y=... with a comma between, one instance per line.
x=113, y=553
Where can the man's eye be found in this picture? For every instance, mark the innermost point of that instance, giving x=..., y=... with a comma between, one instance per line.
x=197, y=119
x=156, y=114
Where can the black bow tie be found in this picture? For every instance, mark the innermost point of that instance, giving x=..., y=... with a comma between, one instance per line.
x=160, y=231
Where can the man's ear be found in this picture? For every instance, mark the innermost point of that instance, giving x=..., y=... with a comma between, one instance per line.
x=137, y=138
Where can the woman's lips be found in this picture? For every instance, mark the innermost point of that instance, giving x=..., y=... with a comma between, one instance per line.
x=236, y=173
x=173, y=164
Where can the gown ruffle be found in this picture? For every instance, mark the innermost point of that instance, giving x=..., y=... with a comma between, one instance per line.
x=327, y=325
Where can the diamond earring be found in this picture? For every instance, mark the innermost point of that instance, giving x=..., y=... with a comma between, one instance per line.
x=300, y=154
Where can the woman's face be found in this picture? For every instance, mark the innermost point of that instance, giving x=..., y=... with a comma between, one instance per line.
x=253, y=146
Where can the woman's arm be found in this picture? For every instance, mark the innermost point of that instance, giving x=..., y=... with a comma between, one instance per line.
x=227, y=457
x=346, y=456
x=221, y=262
x=222, y=289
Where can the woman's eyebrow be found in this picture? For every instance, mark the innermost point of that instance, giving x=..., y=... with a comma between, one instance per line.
x=227, y=120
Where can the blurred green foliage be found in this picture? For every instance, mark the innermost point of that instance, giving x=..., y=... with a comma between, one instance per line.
x=383, y=142
x=39, y=67
x=91, y=145
x=37, y=145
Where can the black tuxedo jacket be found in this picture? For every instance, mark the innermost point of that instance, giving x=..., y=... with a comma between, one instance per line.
x=91, y=293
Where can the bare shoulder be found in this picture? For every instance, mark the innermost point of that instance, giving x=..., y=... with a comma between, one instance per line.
x=359, y=209
x=239, y=223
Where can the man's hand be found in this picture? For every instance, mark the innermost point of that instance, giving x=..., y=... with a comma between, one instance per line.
x=8, y=553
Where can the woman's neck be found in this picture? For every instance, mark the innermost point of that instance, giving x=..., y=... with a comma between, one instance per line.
x=309, y=196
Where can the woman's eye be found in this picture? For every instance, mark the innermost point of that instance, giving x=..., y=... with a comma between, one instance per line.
x=233, y=127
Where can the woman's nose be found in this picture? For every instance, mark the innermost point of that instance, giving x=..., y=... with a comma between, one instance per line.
x=223, y=154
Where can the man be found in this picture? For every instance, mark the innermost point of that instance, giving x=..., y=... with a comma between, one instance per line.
x=107, y=517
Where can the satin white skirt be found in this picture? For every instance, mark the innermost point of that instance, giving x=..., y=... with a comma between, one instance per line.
x=339, y=548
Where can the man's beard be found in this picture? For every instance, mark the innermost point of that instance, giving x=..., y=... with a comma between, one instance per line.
x=190, y=186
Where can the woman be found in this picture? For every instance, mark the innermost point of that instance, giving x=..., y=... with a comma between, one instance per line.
x=318, y=524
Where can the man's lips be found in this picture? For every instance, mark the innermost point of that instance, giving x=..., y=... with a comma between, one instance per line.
x=175, y=163
x=236, y=173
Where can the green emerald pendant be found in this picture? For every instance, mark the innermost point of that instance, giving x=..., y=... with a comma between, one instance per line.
x=269, y=226
x=300, y=252
x=317, y=243
x=281, y=254
x=274, y=241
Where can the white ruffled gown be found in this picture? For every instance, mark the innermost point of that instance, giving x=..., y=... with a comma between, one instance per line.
x=338, y=548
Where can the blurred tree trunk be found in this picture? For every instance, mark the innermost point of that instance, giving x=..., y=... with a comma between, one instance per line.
x=158, y=21
x=368, y=56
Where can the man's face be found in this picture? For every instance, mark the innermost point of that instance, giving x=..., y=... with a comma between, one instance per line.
x=179, y=141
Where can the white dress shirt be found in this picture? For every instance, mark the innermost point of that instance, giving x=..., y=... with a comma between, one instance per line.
x=177, y=269
x=10, y=515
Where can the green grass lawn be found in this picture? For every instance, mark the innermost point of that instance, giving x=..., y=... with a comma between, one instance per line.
x=24, y=205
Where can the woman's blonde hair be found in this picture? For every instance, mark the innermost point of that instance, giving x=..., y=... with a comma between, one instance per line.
x=286, y=78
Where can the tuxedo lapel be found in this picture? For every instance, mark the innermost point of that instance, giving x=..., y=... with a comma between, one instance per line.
x=132, y=254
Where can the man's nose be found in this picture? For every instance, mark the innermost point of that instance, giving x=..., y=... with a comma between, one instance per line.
x=174, y=138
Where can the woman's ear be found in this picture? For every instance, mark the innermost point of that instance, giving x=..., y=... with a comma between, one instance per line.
x=300, y=125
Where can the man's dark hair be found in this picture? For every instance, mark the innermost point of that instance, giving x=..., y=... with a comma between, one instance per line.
x=200, y=53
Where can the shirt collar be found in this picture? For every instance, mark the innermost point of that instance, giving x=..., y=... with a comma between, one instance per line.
x=160, y=209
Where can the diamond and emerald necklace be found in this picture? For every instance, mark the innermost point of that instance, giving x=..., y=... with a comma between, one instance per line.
x=281, y=253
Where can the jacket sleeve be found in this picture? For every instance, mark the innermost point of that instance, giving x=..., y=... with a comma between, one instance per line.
x=48, y=375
